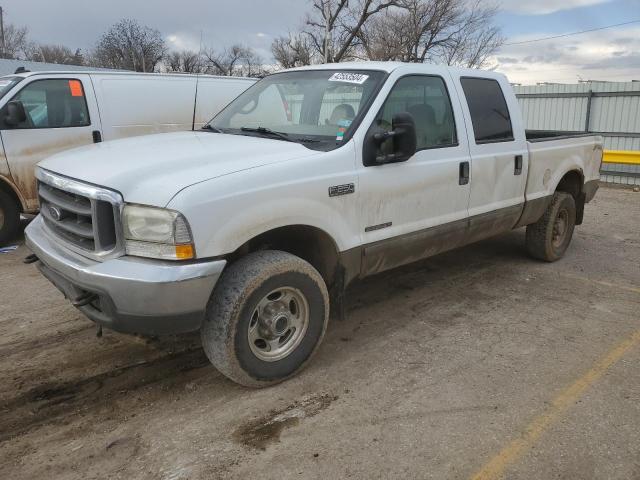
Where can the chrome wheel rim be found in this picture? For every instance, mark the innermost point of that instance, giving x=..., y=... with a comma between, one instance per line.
x=278, y=324
x=560, y=227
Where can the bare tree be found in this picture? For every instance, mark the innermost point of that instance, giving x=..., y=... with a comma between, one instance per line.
x=130, y=46
x=292, y=51
x=476, y=42
x=16, y=42
x=236, y=60
x=335, y=26
x=55, y=54
x=185, y=61
x=456, y=32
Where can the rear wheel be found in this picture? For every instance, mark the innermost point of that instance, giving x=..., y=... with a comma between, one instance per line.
x=9, y=217
x=549, y=237
x=266, y=318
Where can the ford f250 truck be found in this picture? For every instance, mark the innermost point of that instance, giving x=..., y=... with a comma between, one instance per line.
x=251, y=228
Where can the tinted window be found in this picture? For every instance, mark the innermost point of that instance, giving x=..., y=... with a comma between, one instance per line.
x=53, y=104
x=427, y=100
x=489, y=112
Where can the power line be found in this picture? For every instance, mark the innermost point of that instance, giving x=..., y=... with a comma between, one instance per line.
x=573, y=33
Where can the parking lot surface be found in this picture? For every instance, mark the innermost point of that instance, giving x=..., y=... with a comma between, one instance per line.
x=479, y=363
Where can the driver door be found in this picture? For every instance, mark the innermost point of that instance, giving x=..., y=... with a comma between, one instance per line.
x=417, y=208
x=61, y=113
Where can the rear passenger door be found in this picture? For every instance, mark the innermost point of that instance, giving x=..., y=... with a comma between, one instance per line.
x=61, y=113
x=499, y=155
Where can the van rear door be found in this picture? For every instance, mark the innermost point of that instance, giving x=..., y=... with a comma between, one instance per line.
x=61, y=113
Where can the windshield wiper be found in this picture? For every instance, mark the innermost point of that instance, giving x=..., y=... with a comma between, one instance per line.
x=211, y=128
x=280, y=135
x=268, y=131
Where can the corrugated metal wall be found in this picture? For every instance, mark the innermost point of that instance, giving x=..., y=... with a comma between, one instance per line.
x=611, y=109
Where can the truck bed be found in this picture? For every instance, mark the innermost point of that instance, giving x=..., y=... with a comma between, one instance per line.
x=553, y=153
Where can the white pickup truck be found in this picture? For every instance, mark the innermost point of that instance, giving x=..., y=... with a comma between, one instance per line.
x=249, y=229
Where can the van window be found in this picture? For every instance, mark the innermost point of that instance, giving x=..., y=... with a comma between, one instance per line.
x=54, y=103
x=427, y=100
x=488, y=108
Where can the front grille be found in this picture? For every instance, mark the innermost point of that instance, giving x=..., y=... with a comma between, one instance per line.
x=82, y=216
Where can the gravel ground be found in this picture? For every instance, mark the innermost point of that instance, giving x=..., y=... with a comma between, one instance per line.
x=478, y=358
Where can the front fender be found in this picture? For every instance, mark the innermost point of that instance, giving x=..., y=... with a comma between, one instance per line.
x=226, y=212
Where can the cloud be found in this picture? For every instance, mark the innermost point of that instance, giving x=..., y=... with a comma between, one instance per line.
x=183, y=41
x=507, y=60
x=543, y=7
x=614, y=56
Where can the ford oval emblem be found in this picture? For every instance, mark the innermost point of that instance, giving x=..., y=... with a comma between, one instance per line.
x=55, y=212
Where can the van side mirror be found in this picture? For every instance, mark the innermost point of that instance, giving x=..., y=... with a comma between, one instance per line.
x=403, y=138
x=15, y=113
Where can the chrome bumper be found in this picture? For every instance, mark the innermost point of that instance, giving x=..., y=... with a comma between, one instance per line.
x=132, y=294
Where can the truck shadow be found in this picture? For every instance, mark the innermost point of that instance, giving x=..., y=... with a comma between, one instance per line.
x=172, y=371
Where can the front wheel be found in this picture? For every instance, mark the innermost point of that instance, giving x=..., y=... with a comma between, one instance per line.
x=549, y=237
x=266, y=318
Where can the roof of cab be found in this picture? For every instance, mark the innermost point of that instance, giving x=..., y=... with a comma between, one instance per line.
x=389, y=67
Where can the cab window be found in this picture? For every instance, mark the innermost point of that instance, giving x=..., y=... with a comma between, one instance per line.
x=488, y=108
x=54, y=103
x=427, y=100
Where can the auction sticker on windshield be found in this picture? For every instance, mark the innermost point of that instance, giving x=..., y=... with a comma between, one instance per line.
x=357, y=78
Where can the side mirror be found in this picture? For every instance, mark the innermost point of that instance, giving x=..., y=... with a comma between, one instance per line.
x=15, y=113
x=403, y=138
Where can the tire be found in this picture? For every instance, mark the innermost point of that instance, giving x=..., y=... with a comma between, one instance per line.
x=267, y=347
x=9, y=218
x=549, y=237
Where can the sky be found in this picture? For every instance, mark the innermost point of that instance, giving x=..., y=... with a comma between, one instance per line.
x=611, y=54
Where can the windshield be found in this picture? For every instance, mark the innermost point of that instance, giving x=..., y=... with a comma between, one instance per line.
x=7, y=83
x=318, y=108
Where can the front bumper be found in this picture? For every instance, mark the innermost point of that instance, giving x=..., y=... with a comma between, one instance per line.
x=133, y=295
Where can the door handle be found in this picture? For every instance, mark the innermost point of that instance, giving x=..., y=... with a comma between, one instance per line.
x=464, y=173
x=97, y=136
x=517, y=169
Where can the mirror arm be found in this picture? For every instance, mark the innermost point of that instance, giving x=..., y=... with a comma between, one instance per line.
x=383, y=136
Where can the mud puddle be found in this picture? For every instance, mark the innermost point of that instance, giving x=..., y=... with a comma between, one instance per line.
x=261, y=432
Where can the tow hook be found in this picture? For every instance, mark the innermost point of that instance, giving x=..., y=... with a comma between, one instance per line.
x=30, y=259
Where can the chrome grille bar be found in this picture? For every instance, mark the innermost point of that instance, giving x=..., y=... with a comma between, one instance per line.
x=85, y=217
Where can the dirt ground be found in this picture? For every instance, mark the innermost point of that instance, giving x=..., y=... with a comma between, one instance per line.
x=476, y=362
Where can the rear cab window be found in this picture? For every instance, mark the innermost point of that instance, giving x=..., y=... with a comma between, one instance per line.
x=488, y=108
x=54, y=103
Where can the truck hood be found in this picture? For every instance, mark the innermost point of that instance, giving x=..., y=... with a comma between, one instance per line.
x=152, y=169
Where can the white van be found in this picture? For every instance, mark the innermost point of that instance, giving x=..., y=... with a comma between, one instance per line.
x=42, y=113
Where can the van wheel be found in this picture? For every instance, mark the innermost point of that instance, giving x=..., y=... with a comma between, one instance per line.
x=549, y=237
x=266, y=318
x=9, y=218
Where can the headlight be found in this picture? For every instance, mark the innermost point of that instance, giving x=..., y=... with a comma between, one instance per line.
x=156, y=233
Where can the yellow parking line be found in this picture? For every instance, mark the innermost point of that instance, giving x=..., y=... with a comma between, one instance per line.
x=496, y=467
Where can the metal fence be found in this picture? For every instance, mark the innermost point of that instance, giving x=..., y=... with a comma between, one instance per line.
x=610, y=109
